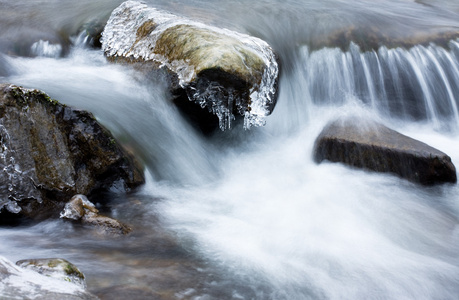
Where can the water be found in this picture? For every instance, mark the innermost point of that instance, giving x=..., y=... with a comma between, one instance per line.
x=246, y=214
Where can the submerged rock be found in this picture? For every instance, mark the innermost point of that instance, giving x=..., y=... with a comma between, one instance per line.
x=50, y=152
x=227, y=72
x=370, y=145
x=79, y=208
x=39, y=280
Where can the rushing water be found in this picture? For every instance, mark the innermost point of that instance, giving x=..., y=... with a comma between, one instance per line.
x=247, y=214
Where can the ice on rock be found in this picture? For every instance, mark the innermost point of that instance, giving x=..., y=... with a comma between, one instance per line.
x=137, y=31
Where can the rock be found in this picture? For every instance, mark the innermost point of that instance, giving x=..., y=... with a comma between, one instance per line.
x=56, y=268
x=227, y=72
x=79, y=208
x=74, y=209
x=370, y=145
x=91, y=31
x=371, y=38
x=51, y=152
x=24, y=283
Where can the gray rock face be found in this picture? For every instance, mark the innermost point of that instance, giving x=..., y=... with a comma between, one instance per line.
x=50, y=152
x=370, y=145
x=28, y=283
x=226, y=72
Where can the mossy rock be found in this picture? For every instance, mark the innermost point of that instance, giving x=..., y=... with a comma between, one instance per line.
x=50, y=152
x=55, y=267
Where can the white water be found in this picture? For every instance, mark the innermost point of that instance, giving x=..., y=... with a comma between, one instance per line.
x=262, y=220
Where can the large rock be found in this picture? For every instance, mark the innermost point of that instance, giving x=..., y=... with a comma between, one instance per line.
x=370, y=145
x=227, y=72
x=50, y=152
x=40, y=281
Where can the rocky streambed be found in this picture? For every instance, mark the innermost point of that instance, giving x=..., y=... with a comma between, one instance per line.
x=66, y=180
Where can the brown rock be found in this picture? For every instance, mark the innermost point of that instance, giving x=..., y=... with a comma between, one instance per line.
x=79, y=208
x=370, y=145
x=226, y=73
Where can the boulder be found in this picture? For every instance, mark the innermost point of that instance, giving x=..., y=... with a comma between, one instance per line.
x=370, y=145
x=228, y=73
x=80, y=209
x=50, y=152
x=40, y=281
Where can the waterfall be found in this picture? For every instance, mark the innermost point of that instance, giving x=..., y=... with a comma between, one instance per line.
x=420, y=83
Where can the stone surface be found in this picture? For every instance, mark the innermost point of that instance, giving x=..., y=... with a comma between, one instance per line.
x=50, y=152
x=371, y=38
x=370, y=145
x=226, y=72
x=56, y=268
x=22, y=283
x=79, y=208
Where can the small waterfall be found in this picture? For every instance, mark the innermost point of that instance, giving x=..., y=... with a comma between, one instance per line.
x=46, y=49
x=420, y=83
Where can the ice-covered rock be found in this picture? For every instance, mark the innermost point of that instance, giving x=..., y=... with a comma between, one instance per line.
x=56, y=268
x=28, y=283
x=227, y=72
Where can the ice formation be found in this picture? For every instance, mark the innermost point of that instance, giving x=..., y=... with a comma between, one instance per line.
x=136, y=31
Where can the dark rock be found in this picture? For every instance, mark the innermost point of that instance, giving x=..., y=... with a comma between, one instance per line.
x=24, y=283
x=79, y=208
x=92, y=30
x=370, y=145
x=50, y=152
x=227, y=73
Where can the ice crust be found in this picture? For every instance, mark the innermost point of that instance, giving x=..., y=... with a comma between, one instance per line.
x=120, y=39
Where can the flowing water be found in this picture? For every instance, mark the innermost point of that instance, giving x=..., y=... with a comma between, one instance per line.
x=247, y=214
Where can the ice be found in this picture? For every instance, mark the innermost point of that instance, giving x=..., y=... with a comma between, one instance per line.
x=120, y=39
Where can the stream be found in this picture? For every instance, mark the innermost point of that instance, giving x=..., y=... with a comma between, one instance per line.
x=247, y=214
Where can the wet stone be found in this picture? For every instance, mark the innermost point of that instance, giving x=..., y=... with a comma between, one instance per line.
x=79, y=208
x=50, y=152
x=372, y=146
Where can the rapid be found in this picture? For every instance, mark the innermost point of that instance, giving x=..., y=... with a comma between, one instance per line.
x=247, y=214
